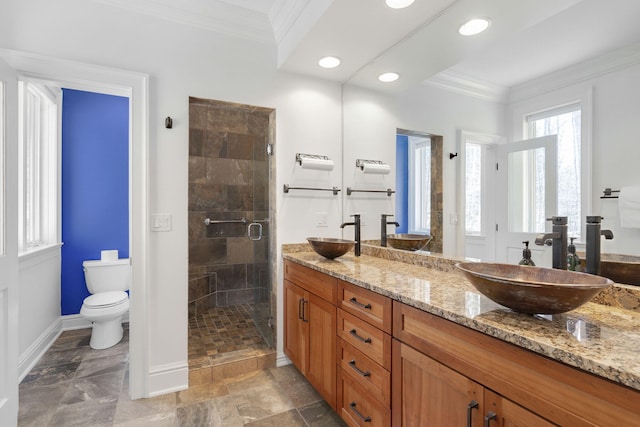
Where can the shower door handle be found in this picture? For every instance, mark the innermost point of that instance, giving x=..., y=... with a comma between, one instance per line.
x=250, y=233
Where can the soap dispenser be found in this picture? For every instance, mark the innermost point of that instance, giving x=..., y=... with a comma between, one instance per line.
x=526, y=255
x=573, y=260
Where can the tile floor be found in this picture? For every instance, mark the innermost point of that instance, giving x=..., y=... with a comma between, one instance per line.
x=73, y=385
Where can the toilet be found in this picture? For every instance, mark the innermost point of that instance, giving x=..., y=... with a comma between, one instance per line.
x=107, y=281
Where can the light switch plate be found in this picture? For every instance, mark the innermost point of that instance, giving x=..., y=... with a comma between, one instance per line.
x=160, y=222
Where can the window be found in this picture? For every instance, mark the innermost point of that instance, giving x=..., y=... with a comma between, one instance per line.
x=38, y=166
x=420, y=184
x=564, y=121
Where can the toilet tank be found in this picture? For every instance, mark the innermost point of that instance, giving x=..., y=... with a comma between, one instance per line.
x=104, y=276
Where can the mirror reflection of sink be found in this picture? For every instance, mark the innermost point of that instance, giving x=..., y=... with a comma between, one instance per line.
x=533, y=290
x=330, y=248
x=621, y=268
x=409, y=242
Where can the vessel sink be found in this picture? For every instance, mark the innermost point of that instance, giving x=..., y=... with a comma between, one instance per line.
x=330, y=248
x=621, y=268
x=533, y=290
x=409, y=242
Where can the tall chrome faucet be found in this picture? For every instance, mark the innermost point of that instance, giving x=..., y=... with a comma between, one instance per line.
x=383, y=228
x=356, y=224
x=558, y=239
x=593, y=243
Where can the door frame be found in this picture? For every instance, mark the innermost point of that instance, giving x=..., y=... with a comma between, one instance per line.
x=465, y=136
x=134, y=86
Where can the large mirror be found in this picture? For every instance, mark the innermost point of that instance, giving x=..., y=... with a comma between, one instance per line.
x=531, y=57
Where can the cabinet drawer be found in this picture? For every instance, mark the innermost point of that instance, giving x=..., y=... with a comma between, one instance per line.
x=357, y=408
x=365, y=304
x=370, y=375
x=319, y=284
x=371, y=341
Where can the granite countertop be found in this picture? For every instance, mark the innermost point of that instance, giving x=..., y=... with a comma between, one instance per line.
x=596, y=338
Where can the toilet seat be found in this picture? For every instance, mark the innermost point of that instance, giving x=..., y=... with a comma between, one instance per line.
x=105, y=299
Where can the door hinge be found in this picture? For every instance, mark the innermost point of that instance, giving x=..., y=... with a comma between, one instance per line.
x=496, y=227
x=269, y=149
x=497, y=166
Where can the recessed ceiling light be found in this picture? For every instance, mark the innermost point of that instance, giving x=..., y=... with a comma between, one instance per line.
x=388, y=77
x=399, y=4
x=329, y=62
x=474, y=26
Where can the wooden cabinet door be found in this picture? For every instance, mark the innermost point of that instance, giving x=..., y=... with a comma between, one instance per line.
x=295, y=327
x=501, y=412
x=321, y=370
x=427, y=393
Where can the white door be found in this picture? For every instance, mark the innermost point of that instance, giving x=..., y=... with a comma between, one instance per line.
x=8, y=245
x=526, y=197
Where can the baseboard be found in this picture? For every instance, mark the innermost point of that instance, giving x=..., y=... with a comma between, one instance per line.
x=168, y=378
x=282, y=360
x=38, y=348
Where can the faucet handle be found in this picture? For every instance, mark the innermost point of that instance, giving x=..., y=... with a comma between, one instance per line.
x=559, y=220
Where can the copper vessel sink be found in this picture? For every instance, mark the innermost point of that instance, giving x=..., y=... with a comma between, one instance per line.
x=533, y=290
x=408, y=242
x=330, y=248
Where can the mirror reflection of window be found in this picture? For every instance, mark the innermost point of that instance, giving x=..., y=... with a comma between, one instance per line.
x=473, y=189
x=564, y=121
x=526, y=190
x=420, y=184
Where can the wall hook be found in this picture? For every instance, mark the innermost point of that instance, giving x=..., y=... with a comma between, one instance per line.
x=168, y=122
x=451, y=155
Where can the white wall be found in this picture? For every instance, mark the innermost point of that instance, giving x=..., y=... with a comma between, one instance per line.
x=39, y=303
x=183, y=62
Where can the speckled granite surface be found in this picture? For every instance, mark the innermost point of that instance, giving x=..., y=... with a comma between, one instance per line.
x=599, y=339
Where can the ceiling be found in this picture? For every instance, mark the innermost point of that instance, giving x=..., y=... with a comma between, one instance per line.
x=527, y=38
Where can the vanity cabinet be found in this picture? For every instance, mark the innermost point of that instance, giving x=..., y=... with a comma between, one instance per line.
x=310, y=326
x=446, y=374
x=364, y=356
x=435, y=395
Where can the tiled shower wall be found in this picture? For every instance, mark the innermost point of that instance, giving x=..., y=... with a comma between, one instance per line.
x=228, y=180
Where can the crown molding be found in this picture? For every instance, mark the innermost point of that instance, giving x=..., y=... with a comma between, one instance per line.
x=212, y=15
x=466, y=85
x=577, y=73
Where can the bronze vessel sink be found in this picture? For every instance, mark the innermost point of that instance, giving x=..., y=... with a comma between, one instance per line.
x=533, y=290
x=408, y=242
x=621, y=268
x=330, y=248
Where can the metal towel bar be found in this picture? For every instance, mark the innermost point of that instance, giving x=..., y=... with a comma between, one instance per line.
x=208, y=221
x=335, y=190
x=608, y=193
x=351, y=190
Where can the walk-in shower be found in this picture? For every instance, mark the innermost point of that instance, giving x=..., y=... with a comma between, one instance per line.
x=230, y=227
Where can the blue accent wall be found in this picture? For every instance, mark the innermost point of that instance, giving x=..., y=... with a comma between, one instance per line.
x=402, y=183
x=95, y=185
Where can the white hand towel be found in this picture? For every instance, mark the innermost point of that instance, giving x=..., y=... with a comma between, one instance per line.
x=629, y=207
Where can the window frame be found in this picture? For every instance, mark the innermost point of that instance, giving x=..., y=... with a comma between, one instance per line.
x=39, y=226
x=575, y=94
x=419, y=191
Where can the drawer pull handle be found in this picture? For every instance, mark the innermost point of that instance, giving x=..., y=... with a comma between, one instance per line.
x=355, y=335
x=470, y=407
x=358, y=370
x=354, y=301
x=300, y=314
x=304, y=302
x=490, y=416
x=352, y=405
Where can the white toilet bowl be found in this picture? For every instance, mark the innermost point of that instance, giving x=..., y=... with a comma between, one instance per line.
x=107, y=281
x=105, y=311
